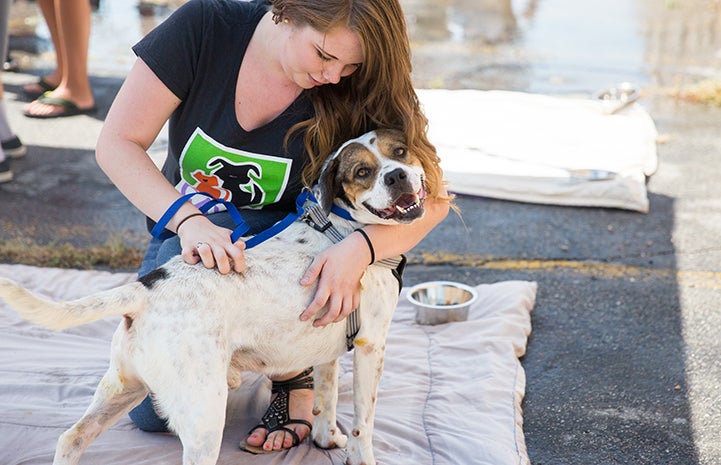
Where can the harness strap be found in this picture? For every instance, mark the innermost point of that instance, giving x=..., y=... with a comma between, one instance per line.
x=316, y=218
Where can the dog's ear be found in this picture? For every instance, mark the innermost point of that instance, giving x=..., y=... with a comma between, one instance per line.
x=328, y=184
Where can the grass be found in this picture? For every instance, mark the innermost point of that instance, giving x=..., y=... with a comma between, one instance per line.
x=113, y=255
x=706, y=92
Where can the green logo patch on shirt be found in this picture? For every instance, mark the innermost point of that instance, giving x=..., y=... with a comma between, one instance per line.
x=244, y=178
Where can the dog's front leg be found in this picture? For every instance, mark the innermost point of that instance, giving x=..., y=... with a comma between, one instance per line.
x=326, y=433
x=367, y=369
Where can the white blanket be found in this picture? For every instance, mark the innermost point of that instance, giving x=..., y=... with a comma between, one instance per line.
x=542, y=149
x=450, y=394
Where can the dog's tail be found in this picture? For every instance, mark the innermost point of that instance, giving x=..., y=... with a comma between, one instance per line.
x=124, y=300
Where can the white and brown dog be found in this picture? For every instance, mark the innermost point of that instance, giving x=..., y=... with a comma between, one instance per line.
x=187, y=331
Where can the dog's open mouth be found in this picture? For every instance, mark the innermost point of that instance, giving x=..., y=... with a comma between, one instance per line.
x=406, y=205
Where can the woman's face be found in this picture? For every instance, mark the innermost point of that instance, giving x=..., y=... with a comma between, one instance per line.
x=313, y=58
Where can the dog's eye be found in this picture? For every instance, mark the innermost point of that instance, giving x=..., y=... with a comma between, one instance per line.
x=400, y=152
x=362, y=173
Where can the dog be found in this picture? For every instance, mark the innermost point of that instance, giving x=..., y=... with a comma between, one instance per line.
x=187, y=331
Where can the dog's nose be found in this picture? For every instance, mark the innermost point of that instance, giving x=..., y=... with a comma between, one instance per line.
x=398, y=175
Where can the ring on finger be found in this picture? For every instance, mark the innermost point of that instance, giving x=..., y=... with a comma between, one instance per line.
x=199, y=244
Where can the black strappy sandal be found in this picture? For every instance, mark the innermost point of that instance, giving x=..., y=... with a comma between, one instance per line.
x=277, y=416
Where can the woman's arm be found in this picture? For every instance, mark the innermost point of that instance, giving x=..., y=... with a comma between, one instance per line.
x=339, y=268
x=135, y=119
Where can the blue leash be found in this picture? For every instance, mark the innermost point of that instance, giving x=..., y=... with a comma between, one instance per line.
x=160, y=232
x=242, y=227
x=282, y=224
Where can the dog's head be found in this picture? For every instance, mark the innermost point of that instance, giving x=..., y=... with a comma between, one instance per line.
x=376, y=178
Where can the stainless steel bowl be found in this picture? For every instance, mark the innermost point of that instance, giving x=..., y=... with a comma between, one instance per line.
x=618, y=97
x=439, y=302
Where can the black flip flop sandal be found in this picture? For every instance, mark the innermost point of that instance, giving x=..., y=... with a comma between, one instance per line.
x=277, y=416
x=43, y=84
x=67, y=108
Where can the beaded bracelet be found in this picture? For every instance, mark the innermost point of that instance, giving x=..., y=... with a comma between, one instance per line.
x=370, y=245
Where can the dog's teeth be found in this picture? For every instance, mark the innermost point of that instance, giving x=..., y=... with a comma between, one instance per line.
x=401, y=209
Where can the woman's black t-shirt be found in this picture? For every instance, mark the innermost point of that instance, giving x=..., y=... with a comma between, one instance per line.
x=197, y=53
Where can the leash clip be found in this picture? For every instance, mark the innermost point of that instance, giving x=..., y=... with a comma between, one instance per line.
x=311, y=219
x=319, y=227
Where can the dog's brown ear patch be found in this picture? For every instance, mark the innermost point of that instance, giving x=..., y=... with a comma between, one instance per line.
x=329, y=184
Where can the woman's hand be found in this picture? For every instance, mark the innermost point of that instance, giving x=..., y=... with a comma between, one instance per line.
x=201, y=240
x=338, y=271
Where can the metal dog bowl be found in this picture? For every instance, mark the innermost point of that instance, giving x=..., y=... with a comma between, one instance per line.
x=616, y=98
x=439, y=302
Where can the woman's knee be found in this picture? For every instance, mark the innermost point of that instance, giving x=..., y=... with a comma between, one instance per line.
x=147, y=419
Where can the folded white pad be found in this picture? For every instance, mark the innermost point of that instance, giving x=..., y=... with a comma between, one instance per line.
x=542, y=149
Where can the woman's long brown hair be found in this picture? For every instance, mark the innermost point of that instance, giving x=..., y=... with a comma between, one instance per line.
x=379, y=94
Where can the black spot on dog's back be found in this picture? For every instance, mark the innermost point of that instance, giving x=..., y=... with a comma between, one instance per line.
x=153, y=277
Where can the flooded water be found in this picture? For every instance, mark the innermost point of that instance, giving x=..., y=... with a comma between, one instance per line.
x=564, y=46
x=544, y=46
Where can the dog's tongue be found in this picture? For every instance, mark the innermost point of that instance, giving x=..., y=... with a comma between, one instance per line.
x=401, y=205
x=406, y=200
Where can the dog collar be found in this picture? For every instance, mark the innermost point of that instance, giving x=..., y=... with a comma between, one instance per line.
x=342, y=212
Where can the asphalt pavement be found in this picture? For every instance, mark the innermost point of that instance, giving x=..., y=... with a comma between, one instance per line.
x=623, y=364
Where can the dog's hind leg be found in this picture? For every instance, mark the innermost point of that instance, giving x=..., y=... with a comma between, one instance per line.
x=326, y=433
x=114, y=397
x=197, y=416
x=193, y=397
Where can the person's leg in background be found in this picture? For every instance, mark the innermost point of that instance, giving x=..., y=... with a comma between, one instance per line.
x=69, y=24
x=10, y=144
x=52, y=80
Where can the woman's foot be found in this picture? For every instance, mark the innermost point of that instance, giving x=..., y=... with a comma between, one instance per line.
x=59, y=103
x=290, y=410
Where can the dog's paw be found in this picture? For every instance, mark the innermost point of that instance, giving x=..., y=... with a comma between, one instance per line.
x=329, y=438
x=360, y=452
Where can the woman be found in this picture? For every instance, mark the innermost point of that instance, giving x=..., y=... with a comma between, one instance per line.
x=256, y=99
